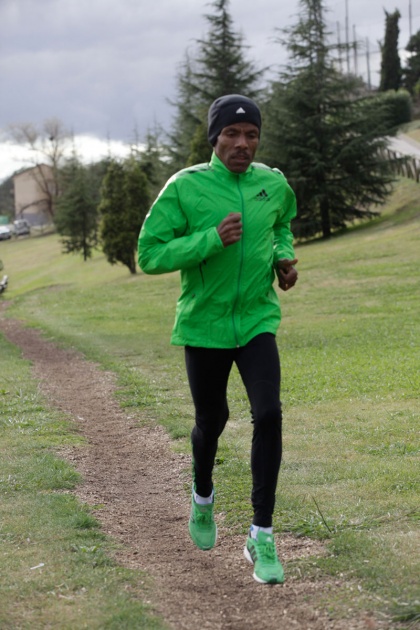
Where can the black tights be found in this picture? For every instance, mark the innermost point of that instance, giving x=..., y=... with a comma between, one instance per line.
x=208, y=372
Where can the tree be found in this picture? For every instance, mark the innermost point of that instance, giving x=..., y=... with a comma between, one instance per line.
x=200, y=148
x=390, y=63
x=186, y=120
x=46, y=144
x=76, y=215
x=153, y=161
x=322, y=133
x=219, y=67
x=123, y=207
x=7, y=205
x=411, y=71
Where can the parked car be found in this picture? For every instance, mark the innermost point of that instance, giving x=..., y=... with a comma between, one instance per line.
x=3, y=284
x=5, y=233
x=21, y=227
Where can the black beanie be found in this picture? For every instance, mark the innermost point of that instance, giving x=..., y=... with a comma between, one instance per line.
x=228, y=110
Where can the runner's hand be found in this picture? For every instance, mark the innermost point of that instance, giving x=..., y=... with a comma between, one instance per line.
x=286, y=273
x=230, y=229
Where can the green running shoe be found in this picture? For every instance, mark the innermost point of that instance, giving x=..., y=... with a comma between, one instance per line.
x=263, y=555
x=203, y=529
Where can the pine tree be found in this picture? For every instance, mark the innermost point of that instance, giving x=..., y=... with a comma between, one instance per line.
x=390, y=63
x=200, y=148
x=76, y=214
x=219, y=67
x=188, y=116
x=322, y=134
x=124, y=204
x=138, y=198
x=153, y=162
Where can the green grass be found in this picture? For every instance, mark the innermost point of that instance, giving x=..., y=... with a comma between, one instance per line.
x=349, y=345
x=56, y=564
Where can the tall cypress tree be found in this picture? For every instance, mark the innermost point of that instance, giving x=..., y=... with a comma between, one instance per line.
x=219, y=67
x=390, y=63
x=323, y=134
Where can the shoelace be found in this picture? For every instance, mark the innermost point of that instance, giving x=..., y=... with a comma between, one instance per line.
x=204, y=517
x=267, y=552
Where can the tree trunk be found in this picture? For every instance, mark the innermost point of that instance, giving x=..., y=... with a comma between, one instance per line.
x=132, y=265
x=325, y=218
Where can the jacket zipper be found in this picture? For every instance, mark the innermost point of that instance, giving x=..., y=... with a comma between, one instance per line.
x=235, y=331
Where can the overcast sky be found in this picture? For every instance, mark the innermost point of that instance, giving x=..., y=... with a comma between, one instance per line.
x=106, y=67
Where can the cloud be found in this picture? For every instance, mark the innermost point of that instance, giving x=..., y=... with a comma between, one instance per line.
x=91, y=63
x=14, y=157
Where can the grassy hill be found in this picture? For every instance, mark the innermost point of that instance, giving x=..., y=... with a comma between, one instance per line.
x=349, y=344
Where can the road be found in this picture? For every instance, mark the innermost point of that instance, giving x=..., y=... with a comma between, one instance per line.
x=405, y=145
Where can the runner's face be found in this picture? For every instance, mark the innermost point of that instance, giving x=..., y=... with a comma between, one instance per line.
x=236, y=146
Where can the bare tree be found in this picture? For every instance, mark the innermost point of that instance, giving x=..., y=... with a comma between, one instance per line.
x=47, y=145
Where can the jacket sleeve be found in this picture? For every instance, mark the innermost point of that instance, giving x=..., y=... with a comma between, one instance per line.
x=166, y=243
x=283, y=236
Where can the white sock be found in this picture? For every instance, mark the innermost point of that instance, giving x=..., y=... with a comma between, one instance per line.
x=203, y=500
x=254, y=529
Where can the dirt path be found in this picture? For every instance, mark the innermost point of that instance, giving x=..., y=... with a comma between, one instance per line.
x=133, y=472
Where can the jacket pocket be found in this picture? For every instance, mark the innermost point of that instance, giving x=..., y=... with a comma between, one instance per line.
x=201, y=269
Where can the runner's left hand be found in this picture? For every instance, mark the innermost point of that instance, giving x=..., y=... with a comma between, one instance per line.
x=286, y=273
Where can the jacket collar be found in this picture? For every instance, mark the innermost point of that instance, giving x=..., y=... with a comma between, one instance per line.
x=218, y=166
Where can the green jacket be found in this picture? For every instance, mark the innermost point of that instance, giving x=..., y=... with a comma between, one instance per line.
x=227, y=295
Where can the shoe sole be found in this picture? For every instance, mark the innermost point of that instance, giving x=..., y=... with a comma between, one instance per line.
x=254, y=575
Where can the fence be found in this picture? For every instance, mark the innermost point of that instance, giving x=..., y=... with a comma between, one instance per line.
x=404, y=165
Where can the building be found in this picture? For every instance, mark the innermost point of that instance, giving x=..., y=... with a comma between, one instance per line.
x=34, y=191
